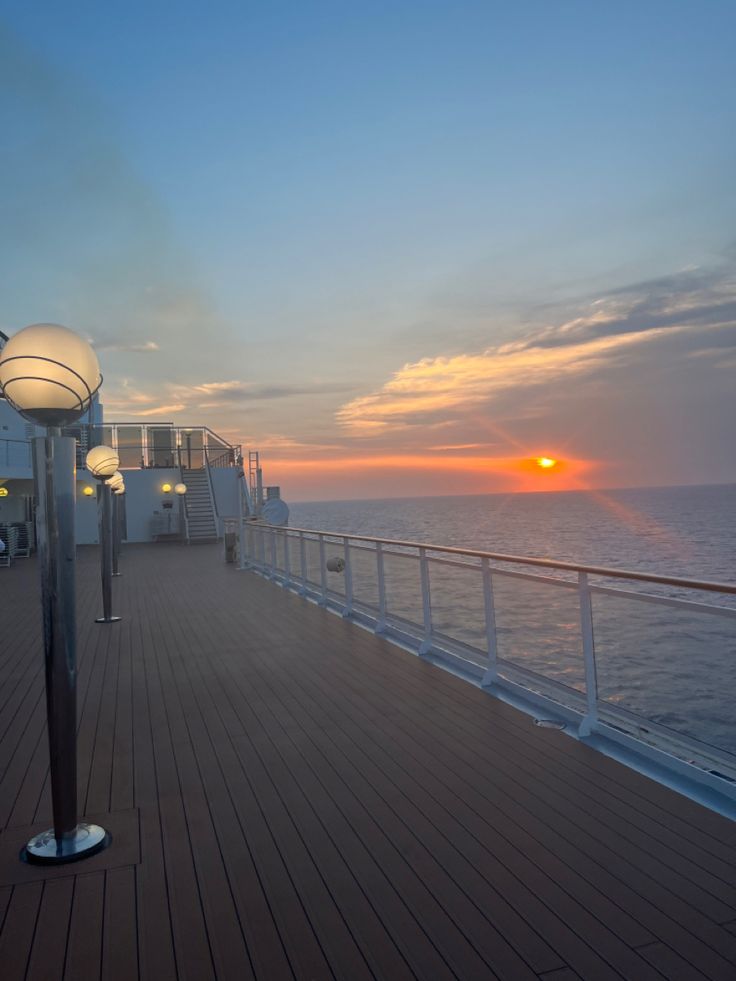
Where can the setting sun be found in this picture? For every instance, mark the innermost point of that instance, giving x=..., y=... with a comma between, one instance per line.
x=545, y=462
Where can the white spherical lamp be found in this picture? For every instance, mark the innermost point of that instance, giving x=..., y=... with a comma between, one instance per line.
x=102, y=462
x=180, y=489
x=119, y=490
x=49, y=374
x=115, y=481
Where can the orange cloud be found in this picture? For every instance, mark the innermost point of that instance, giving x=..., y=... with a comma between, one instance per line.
x=462, y=381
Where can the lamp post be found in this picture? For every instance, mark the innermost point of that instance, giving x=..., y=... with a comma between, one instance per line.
x=102, y=462
x=188, y=434
x=117, y=493
x=50, y=375
x=180, y=490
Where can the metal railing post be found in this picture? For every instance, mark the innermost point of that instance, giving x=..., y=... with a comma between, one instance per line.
x=491, y=674
x=381, y=624
x=590, y=718
x=287, y=570
x=303, y=562
x=273, y=554
x=262, y=549
x=322, y=571
x=348, y=608
x=426, y=644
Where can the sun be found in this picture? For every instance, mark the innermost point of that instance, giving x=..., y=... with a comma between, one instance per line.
x=545, y=462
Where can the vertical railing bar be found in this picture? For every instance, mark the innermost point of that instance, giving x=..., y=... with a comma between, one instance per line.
x=426, y=644
x=287, y=569
x=381, y=624
x=591, y=681
x=303, y=561
x=273, y=554
x=348, y=608
x=491, y=675
x=322, y=570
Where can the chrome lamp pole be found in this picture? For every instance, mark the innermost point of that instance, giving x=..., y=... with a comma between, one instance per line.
x=50, y=375
x=180, y=490
x=102, y=462
x=117, y=494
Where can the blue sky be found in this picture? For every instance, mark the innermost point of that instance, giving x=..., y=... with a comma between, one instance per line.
x=264, y=214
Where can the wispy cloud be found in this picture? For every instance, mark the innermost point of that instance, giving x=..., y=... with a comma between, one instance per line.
x=144, y=347
x=695, y=306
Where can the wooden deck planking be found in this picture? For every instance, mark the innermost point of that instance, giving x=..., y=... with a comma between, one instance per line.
x=316, y=803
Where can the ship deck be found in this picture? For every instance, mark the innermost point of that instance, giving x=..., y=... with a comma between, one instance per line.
x=293, y=797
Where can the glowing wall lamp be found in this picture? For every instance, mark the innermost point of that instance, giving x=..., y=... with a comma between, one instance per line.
x=50, y=375
x=166, y=488
x=88, y=491
x=102, y=462
x=4, y=491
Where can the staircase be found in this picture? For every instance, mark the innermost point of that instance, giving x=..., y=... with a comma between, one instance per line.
x=201, y=519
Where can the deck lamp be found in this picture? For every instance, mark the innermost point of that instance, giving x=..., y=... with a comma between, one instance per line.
x=4, y=492
x=102, y=462
x=115, y=481
x=166, y=488
x=50, y=375
x=88, y=490
x=180, y=489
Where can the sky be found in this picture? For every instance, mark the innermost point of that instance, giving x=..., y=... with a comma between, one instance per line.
x=400, y=248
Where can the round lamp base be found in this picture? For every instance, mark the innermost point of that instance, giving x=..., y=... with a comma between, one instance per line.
x=86, y=840
x=107, y=619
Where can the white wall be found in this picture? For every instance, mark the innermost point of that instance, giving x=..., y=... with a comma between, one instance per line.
x=225, y=488
x=86, y=512
x=144, y=497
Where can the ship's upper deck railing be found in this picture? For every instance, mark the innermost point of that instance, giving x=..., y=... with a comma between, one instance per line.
x=147, y=445
x=647, y=658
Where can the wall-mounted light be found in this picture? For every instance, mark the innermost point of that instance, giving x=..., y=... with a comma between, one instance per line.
x=180, y=489
x=4, y=491
x=166, y=488
x=88, y=491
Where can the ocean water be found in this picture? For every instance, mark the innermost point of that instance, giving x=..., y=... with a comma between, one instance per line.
x=670, y=666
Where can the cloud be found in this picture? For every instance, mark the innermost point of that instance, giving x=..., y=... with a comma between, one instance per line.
x=689, y=311
x=218, y=393
x=144, y=347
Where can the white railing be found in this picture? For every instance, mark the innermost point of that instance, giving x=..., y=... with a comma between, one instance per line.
x=568, y=639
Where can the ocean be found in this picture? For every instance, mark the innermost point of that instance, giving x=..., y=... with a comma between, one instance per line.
x=673, y=667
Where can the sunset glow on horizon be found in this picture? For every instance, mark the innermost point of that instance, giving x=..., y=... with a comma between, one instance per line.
x=407, y=252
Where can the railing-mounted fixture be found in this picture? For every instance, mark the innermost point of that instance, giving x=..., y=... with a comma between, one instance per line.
x=557, y=635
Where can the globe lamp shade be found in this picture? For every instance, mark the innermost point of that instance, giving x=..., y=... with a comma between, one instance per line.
x=102, y=462
x=119, y=490
x=49, y=374
x=88, y=491
x=115, y=481
x=166, y=488
x=180, y=489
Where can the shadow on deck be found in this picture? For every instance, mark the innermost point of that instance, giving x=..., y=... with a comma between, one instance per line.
x=291, y=796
